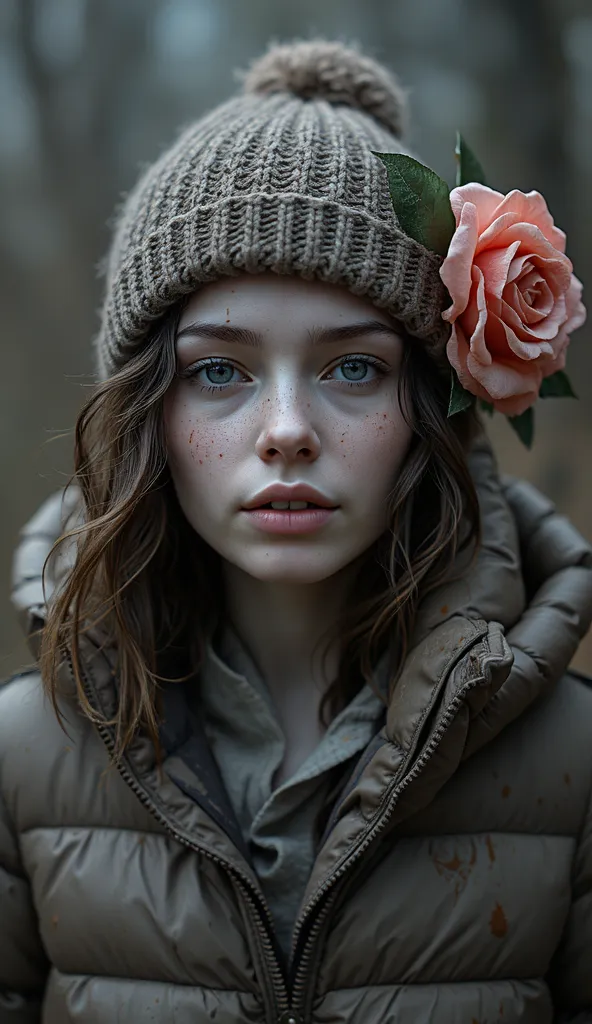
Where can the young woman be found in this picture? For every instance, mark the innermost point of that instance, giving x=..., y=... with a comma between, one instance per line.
x=281, y=763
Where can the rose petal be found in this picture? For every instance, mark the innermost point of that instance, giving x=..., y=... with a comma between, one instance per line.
x=497, y=342
x=576, y=311
x=506, y=379
x=517, y=405
x=517, y=335
x=532, y=208
x=520, y=265
x=485, y=200
x=530, y=310
x=576, y=317
x=542, y=333
x=477, y=338
x=550, y=365
x=553, y=271
x=457, y=350
x=495, y=265
x=507, y=229
x=525, y=389
x=456, y=268
x=534, y=289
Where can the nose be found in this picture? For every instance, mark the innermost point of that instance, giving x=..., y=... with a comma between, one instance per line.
x=288, y=432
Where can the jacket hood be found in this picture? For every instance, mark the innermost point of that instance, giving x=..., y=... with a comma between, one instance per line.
x=529, y=594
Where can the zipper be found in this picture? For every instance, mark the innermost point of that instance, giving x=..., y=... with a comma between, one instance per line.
x=253, y=899
x=293, y=1005
x=301, y=998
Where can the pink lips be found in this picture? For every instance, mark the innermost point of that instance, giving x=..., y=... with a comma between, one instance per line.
x=288, y=492
x=301, y=521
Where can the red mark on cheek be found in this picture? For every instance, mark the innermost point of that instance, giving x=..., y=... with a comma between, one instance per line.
x=221, y=455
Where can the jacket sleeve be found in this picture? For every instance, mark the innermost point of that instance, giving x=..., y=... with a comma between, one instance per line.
x=570, y=976
x=23, y=963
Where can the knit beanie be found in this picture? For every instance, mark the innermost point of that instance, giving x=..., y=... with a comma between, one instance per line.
x=281, y=177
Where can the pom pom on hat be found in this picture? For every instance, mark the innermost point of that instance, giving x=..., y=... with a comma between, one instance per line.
x=320, y=69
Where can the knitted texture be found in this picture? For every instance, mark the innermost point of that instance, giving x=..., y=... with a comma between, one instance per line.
x=281, y=177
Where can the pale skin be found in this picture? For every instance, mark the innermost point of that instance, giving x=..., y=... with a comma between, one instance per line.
x=289, y=416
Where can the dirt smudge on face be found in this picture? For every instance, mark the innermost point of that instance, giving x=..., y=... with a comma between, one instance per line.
x=490, y=848
x=506, y=792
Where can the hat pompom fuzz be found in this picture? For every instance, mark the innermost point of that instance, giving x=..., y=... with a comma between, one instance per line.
x=320, y=69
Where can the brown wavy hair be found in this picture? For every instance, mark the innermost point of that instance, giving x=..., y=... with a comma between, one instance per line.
x=154, y=585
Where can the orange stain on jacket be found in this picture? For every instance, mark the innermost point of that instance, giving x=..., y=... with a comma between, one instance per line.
x=498, y=922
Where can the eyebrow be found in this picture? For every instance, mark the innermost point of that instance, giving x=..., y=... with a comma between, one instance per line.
x=315, y=335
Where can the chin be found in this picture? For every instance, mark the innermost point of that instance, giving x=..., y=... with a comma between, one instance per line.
x=298, y=567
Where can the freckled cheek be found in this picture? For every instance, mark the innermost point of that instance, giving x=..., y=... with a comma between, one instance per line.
x=191, y=444
x=383, y=438
x=182, y=437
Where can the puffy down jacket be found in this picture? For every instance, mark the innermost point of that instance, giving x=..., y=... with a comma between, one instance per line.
x=453, y=884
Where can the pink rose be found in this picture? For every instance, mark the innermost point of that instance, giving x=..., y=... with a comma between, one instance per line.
x=514, y=297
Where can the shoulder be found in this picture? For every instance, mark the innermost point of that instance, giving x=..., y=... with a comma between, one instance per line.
x=52, y=774
x=580, y=679
x=557, y=729
x=53, y=777
x=565, y=714
x=27, y=718
x=21, y=705
x=574, y=704
x=33, y=744
x=572, y=699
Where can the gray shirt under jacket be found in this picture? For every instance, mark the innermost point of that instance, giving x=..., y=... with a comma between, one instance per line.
x=248, y=744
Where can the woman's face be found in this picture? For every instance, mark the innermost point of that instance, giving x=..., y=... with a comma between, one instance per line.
x=280, y=409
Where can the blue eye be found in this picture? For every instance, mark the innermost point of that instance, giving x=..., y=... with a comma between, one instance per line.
x=221, y=367
x=362, y=362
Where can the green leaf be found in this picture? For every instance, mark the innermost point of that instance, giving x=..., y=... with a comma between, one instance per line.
x=557, y=386
x=421, y=201
x=460, y=399
x=486, y=406
x=468, y=167
x=524, y=426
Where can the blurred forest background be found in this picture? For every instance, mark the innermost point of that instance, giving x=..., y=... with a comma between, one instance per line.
x=92, y=90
